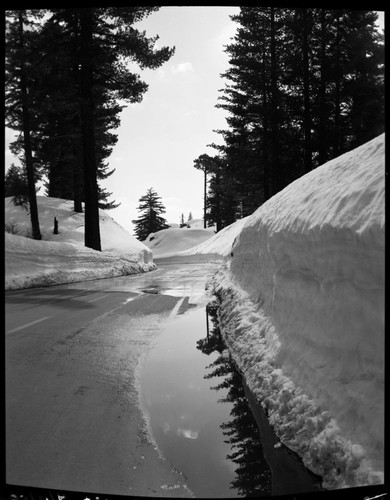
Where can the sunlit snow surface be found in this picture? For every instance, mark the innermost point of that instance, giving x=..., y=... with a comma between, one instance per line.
x=172, y=241
x=302, y=308
x=303, y=312
x=63, y=258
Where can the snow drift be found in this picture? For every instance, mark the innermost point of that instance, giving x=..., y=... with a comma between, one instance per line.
x=220, y=243
x=168, y=242
x=303, y=314
x=63, y=258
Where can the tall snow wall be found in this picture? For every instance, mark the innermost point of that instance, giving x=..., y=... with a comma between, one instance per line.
x=311, y=261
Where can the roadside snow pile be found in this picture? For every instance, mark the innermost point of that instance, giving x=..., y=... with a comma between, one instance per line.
x=63, y=258
x=303, y=314
x=221, y=243
x=168, y=242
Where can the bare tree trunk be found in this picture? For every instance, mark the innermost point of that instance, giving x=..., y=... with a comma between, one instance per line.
x=91, y=229
x=337, y=103
x=307, y=155
x=36, y=233
x=277, y=177
x=266, y=175
x=322, y=139
x=205, y=197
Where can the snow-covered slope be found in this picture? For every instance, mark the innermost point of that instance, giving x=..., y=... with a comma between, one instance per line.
x=220, y=243
x=168, y=242
x=303, y=312
x=60, y=258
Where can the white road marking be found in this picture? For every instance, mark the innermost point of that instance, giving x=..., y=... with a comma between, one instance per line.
x=98, y=298
x=176, y=308
x=130, y=299
x=28, y=324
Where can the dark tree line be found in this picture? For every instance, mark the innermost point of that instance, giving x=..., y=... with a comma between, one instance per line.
x=67, y=79
x=303, y=86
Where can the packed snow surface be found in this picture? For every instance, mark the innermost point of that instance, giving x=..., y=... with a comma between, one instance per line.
x=168, y=242
x=220, y=243
x=303, y=313
x=63, y=258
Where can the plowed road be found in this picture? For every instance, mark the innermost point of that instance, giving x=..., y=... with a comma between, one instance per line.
x=73, y=352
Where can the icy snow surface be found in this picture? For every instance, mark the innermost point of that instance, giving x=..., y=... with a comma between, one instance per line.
x=63, y=258
x=303, y=313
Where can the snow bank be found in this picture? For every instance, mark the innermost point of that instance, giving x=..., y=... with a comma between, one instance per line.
x=63, y=258
x=221, y=243
x=172, y=241
x=303, y=313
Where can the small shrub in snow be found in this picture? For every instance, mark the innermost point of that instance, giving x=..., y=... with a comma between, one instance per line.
x=11, y=228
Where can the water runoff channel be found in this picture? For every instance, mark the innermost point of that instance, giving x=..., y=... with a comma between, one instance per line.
x=204, y=419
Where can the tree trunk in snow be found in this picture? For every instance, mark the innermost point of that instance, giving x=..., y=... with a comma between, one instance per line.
x=36, y=233
x=91, y=229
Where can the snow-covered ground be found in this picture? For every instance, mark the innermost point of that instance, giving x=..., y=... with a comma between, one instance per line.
x=302, y=301
x=303, y=314
x=220, y=243
x=63, y=258
x=168, y=242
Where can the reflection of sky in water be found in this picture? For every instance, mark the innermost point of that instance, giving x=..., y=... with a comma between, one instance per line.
x=185, y=415
x=187, y=433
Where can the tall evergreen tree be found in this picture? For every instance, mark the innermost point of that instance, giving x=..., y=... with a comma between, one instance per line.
x=204, y=163
x=150, y=219
x=15, y=184
x=303, y=86
x=87, y=51
x=22, y=30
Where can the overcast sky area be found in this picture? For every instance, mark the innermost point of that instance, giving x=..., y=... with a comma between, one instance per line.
x=159, y=138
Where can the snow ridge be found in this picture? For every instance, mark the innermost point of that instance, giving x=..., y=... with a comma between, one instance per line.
x=299, y=421
x=304, y=314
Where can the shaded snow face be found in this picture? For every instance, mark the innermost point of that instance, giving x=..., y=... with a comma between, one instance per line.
x=312, y=261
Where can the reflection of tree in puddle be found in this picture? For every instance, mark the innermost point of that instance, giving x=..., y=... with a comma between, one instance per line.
x=253, y=474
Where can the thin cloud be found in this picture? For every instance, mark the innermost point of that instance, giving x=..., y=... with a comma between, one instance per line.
x=182, y=68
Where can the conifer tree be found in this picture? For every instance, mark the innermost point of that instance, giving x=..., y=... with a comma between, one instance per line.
x=15, y=185
x=150, y=220
x=303, y=86
x=22, y=59
x=81, y=75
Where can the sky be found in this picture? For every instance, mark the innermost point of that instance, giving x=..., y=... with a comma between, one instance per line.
x=159, y=138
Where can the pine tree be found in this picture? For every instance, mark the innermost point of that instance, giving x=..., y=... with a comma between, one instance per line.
x=303, y=86
x=81, y=73
x=21, y=69
x=150, y=220
x=15, y=185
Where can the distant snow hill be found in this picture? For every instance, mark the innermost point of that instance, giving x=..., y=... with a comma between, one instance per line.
x=171, y=241
x=63, y=258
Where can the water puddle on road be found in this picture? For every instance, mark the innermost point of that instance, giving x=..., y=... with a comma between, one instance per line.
x=198, y=413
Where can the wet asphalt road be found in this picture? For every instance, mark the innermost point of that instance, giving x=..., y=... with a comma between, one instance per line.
x=73, y=355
